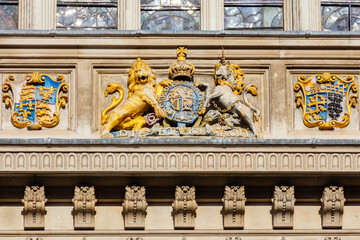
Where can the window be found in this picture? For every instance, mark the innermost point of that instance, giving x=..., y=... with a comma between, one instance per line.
x=174, y=15
x=340, y=15
x=87, y=14
x=253, y=14
x=9, y=15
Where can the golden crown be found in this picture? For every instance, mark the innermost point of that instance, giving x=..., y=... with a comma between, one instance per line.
x=181, y=70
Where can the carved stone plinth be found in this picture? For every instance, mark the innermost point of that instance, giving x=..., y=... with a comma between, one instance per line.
x=184, y=207
x=34, y=207
x=332, y=207
x=234, y=207
x=283, y=207
x=84, y=207
x=135, y=206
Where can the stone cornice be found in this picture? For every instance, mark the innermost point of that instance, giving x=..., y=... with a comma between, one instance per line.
x=231, y=142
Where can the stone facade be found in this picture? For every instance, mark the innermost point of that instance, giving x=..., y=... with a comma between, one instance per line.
x=303, y=162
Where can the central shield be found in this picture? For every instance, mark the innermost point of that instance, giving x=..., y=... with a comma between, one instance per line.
x=182, y=102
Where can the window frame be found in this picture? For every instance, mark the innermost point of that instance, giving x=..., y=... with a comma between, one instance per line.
x=345, y=4
x=256, y=4
x=13, y=3
x=94, y=4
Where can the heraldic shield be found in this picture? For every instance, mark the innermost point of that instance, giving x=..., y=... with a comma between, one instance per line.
x=36, y=100
x=326, y=100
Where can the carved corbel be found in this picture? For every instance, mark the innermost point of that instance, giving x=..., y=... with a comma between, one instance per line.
x=233, y=238
x=283, y=206
x=184, y=207
x=330, y=238
x=332, y=206
x=135, y=206
x=234, y=207
x=134, y=238
x=84, y=207
x=34, y=207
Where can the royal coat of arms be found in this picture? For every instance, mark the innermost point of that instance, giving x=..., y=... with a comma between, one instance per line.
x=326, y=100
x=181, y=100
x=36, y=100
x=179, y=105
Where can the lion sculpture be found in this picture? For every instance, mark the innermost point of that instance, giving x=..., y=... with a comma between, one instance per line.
x=225, y=97
x=141, y=97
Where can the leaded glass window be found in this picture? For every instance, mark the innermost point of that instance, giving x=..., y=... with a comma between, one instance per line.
x=87, y=14
x=340, y=15
x=9, y=13
x=254, y=14
x=177, y=15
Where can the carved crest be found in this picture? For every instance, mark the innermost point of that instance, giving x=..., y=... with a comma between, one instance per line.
x=326, y=100
x=35, y=100
x=34, y=194
x=84, y=194
x=184, y=193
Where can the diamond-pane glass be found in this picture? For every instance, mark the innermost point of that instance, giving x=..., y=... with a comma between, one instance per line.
x=8, y=17
x=253, y=14
x=92, y=15
x=177, y=15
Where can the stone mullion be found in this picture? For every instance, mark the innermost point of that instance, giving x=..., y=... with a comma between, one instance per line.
x=25, y=14
x=129, y=15
x=212, y=15
x=309, y=15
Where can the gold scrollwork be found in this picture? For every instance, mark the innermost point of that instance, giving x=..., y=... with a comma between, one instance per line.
x=316, y=103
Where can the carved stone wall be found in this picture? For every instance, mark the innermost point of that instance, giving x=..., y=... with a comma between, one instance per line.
x=234, y=207
x=34, y=207
x=184, y=207
x=283, y=207
x=134, y=207
x=84, y=207
x=332, y=206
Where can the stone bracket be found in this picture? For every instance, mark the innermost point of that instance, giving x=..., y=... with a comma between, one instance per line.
x=332, y=207
x=34, y=207
x=184, y=207
x=135, y=206
x=234, y=207
x=84, y=207
x=283, y=207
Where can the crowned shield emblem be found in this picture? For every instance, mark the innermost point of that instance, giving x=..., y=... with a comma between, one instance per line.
x=182, y=102
x=326, y=100
x=36, y=100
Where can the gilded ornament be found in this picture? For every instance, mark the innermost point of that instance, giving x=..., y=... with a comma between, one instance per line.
x=227, y=108
x=141, y=98
x=35, y=100
x=326, y=100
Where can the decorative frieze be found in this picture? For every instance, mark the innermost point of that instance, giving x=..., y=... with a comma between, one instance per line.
x=234, y=207
x=332, y=207
x=135, y=206
x=283, y=207
x=34, y=207
x=179, y=161
x=184, y=207
x=84, y=207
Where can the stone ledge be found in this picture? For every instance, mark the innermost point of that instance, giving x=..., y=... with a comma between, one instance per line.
x=180, y=141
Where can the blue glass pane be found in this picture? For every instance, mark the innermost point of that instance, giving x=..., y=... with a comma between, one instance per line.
x=9, y=17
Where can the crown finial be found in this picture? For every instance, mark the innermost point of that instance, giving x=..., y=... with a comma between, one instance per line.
x=181, y=53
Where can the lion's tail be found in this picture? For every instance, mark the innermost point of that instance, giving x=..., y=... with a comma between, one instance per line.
x=110, y=89
x=252, y=89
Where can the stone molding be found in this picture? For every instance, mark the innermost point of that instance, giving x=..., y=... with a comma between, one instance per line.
x=134, y=207
x=283, y=207
x=213, y=162
x=34, y=207
x=184, y=207
x=84, y=201
x=234, y=207
x=332, y=207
